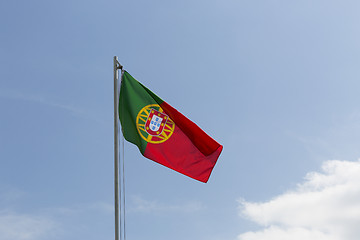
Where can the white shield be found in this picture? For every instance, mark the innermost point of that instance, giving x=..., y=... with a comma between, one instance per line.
x=155, y=123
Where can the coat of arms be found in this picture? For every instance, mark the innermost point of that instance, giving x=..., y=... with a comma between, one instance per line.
x=155, y=122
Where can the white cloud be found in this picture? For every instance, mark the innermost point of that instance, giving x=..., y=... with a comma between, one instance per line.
x=325, y=206
x=25, y=227
x=278, y=233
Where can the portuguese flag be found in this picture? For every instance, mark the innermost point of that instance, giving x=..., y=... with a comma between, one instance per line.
x=163, y=134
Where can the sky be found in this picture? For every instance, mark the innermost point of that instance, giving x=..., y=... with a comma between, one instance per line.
x=275, y=82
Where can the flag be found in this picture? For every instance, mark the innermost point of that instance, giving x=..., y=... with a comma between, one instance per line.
x=163, y=134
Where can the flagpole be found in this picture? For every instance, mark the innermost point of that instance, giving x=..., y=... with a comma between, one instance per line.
x=117, y=66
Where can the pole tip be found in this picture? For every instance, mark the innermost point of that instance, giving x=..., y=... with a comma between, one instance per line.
x=118, y=65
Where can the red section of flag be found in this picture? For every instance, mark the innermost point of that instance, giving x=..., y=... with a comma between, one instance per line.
x=181, y=155
x=189, y=150
x=203, y=142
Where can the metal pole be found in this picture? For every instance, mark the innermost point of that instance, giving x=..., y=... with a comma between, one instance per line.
x=122, y=180
x=116, y=147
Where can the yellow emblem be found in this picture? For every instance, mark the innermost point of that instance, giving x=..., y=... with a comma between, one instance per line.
x=153, y=125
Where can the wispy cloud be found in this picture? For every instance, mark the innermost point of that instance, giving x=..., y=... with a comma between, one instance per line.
x=17, y=95
x=43, y=223
x=139, y=204
x=338, y=138
x=10, y=195
x=324, y=207
x=22, y=226
x=95, y=208
x=14, y=226
x=12, y=94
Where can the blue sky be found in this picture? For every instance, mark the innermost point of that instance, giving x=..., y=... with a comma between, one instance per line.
x=275, y=82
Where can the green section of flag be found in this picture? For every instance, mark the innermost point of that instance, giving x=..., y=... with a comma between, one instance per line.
x=133, y=97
